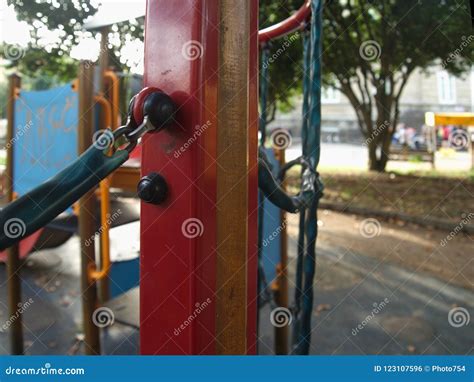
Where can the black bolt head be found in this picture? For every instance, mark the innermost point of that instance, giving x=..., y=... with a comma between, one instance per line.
x=152, y=188
x=160, y=109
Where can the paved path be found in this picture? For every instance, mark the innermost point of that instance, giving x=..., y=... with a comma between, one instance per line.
x=411, y=315
x=399, y=311
x=348, y=156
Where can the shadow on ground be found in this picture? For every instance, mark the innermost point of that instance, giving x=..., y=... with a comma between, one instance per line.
x=404, y=267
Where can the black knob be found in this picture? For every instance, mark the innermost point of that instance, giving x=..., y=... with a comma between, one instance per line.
x=152, y=188
x=160, y=109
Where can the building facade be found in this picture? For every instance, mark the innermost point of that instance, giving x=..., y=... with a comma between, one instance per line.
x=435, y=90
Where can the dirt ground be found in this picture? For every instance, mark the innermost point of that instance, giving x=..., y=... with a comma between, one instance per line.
x=407, y=245
x=443, y=254
x=424, y=273
x=356, y=268
x=361, y=262
x=446, y=198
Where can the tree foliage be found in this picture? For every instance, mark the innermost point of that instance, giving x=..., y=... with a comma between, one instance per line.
x=370, y=49
x=42, y=69
x=64, y=17
x=45, y=61
x=285, y=70
x=49, y=61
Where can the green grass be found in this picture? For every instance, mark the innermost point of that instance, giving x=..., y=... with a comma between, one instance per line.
x=432, y=193
x=420, y=173
x=468, y=175
x=465, y=175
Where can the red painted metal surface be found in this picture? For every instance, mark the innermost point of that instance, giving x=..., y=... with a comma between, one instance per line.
x=177, y=271
x=292, y=23
x=26, y=245
x=178, y=264
x=139, y=102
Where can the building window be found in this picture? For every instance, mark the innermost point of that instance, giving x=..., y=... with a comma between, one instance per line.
x=446, y=88
x=330, y=95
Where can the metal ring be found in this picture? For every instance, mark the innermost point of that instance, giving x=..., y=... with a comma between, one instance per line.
x=123, y=131
x=140, y=98
x=303, y=161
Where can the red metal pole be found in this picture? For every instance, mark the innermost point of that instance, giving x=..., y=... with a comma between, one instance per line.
x=181, y=240
x=292, y=23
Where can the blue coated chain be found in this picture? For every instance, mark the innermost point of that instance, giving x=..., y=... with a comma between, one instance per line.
x=311, y=148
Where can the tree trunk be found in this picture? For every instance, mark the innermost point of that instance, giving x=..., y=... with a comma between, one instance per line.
x=378, y=164
x=383, y=160
x=373, y=160
x=378, y=132
x=379, y=146
x=385, y=145
x=382, y=133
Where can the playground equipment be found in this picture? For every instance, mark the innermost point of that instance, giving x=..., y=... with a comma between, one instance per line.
x=45, y=137
x=462, y=139
x=421, y=151
x=201, y=240
x=43, y=126
x=311, y=186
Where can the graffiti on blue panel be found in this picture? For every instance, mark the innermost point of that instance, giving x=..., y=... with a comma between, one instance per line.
x=44, y=136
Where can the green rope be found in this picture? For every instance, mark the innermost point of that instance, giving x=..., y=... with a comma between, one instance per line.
x=306, y=88
x=311, y=141
x=264, y=94
x=302, y=216
x=313, y=152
